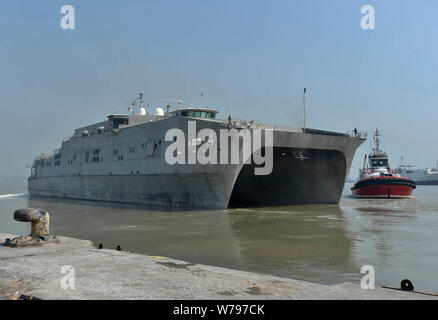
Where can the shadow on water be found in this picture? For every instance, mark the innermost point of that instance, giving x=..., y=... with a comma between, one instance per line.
x=383, y=210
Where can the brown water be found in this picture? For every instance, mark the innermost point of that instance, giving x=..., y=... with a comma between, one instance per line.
x=327, y=244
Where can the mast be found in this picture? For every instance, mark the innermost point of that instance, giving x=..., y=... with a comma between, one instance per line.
x=141, y=99
x=377, y=142
x=138, y=102
x=304, y=106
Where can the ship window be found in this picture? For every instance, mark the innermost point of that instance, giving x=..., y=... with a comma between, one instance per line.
x=198, y=114
x=131, y=149
x=115, y=152
x=116, y=122
x=379, y=162
x=57, y=163
x=74, y=157
x=187, y=113
x=96, y=159
x=87, y=156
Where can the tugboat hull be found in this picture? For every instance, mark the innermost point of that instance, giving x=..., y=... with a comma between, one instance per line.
x=384, y=188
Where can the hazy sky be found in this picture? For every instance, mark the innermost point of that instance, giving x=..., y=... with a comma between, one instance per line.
x=250, y=58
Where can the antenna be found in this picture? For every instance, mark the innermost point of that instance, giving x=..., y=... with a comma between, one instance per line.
x=138, y=102
x=173, y=100
x=169, y=100
x=140, y=99
x=376, y=140
x=202, y=99
x=304, y=106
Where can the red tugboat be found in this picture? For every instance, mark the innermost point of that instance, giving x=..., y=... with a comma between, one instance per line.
x=377, y=180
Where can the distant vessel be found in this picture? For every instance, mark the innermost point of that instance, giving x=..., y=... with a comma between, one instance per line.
x=378, y=180
x=122, y=159
x=420, y=176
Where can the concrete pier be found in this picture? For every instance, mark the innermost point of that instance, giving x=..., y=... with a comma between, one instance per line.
x=40, y=271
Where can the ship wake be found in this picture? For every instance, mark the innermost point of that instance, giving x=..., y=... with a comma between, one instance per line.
x=14, y=195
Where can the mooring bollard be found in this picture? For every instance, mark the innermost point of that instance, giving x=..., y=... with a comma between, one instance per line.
x=39, y=234
x=39, y=219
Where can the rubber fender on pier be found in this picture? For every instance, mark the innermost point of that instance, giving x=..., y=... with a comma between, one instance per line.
x=407, y=285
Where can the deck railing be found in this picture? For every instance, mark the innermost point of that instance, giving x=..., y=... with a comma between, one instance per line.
x=357, y=134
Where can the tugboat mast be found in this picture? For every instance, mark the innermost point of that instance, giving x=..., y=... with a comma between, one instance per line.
x=377, y=142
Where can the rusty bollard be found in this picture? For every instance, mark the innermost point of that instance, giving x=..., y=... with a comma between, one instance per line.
x=39, y=220
x=39, y=234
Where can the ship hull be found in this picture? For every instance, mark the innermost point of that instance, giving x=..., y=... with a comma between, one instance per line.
x=319, y=179
x=316, y=180
x=308, y=168
x=422, y=179
x=167, y=190
x=383, y=188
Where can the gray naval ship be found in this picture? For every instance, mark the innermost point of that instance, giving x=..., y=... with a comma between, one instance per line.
x=123, y=160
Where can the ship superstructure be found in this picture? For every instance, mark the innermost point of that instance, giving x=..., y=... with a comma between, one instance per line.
x=420, y=176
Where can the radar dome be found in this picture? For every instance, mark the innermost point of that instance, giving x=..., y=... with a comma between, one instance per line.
x=159, y=112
